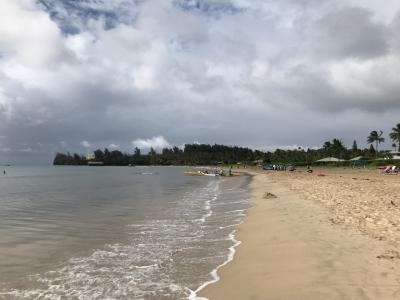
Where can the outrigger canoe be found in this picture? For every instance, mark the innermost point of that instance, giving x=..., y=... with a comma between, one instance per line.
x=199, y=173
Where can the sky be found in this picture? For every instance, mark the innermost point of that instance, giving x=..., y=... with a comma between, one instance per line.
x=77, y=75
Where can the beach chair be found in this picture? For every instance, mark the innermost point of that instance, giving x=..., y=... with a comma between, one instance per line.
x=390, y=170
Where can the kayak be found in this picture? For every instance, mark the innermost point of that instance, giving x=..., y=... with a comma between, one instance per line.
x=233, y=175
x=199, y=173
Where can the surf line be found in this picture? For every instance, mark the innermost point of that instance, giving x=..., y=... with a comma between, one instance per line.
x=207, y=205
x=214, y=273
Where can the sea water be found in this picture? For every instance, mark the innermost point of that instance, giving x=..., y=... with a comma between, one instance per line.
x=69, y=232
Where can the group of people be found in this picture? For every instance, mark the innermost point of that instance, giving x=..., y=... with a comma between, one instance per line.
x=218, y=171
x=222, y=173
x=282, y=168
x=278, y=167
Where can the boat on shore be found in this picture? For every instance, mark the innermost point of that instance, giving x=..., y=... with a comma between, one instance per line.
x=201, y=173
x=212, y=174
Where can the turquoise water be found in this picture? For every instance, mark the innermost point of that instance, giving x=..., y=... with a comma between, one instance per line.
x=114, y=232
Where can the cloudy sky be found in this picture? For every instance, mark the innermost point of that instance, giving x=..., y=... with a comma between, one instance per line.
x=76, y=75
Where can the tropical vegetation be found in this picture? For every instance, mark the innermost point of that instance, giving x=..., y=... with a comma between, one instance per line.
x=375, y=137
x=204, y=154
x=395, y=135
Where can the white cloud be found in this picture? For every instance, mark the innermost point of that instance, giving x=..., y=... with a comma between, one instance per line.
x=64, y=144
x=28, y=35
x=206, y=72
x=157, y=143
x=113, y=146
x=86, y=144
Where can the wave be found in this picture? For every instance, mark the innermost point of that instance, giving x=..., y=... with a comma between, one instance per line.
x=158, y=259
x=214, y=273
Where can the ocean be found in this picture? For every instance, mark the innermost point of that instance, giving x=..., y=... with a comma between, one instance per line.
x=78, y=232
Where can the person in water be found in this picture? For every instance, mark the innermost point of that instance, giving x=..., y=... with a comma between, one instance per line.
x=4, y=172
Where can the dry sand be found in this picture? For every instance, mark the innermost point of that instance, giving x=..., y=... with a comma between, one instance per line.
x=320, y=238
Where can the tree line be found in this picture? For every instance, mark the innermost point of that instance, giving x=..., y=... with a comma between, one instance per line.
x=192, y=154
x=205, y=154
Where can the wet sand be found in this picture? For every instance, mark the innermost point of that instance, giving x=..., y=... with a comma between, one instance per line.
x=332, y=237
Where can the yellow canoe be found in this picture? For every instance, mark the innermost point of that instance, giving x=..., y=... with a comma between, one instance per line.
x=193, y=173
x=233, y=174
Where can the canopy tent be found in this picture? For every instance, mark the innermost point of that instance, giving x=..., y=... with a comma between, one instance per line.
x=357, y=158
x=358, y=162
x=330, y=159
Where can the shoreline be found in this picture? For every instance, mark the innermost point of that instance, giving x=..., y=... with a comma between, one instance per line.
x=290, y=250
x=195, y=294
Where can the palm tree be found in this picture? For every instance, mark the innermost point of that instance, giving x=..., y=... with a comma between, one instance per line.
x=327, y=145
x=376, y=137
x=395, y=135
x=394, y=146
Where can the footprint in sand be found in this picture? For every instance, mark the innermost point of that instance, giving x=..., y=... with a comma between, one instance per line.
x=390, y=254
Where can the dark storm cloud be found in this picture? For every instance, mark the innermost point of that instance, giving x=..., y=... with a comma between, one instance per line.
x=72, y=16
x=209, y=6
x=341, y=87
x=350, y=32
x=77, y=75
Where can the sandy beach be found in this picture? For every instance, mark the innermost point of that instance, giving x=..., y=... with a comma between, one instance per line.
x=317, y=237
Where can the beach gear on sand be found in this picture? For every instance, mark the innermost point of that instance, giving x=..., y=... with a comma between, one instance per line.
x=391, y=170
x=321, y=174
x=291, y=168
x=201, y=173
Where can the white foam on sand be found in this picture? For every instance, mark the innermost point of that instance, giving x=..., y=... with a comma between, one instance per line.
x=232, y=225
x=214, y=273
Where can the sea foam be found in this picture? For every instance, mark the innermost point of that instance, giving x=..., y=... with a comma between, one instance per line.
x=163, y=258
